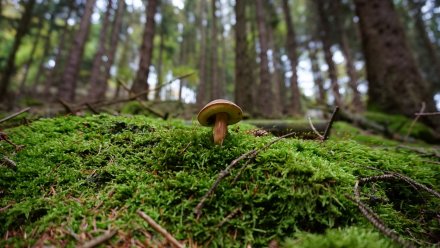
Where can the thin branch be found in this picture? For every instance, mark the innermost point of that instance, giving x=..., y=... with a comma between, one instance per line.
x=100, y=239
x=172, y=80
x=330, y=123
x=229, y=217
x=160, y=229
x=89, y=106
x=427, y=114
x=224, y=173
x=9, y=163
x=314, y=129
x=15, y=114
x=66, y=106
x=422, y=109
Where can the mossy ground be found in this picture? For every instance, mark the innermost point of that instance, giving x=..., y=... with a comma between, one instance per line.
x=78, y=176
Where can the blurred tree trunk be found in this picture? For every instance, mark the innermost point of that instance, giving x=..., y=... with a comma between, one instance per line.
x=201, y=91
x=244, y=78
x=431, y=51
x=22, y=30
x=324, y=31
x=95, y=90
x=102, y=83
x=67, y=87
x=295, y=101
x=356, y=102
x=53, y=74
x=395, y=83
x=30, y=60
x=216, y=87
x=264, y=101
x=317, y=74
x=146, y=51
x=46, y=49
x=159, y=63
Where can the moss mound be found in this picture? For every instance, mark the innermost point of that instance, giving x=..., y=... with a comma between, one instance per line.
x=78, y=176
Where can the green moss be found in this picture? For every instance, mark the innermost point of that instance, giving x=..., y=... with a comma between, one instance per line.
x=79, y=172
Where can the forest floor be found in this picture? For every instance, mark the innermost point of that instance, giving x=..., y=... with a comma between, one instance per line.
x=101, y=179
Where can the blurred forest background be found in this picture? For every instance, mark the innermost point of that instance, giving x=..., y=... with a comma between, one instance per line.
x=274, y=58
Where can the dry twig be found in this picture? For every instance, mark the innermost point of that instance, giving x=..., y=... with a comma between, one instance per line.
x=422, y=109
x=330, y=124
x=99, y=240
x=15, y=114
x=228, y=217
x=314, y=129
x=427, y=114
x=224, y=173
x=160, y=229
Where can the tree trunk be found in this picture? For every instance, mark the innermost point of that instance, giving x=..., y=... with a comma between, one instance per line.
x=244, y=78
x=356, y=102
x=98, y=63
x=22, y=30
x=326, y=42
x=59, y=66
x=395, y=83
x=201, y=91
x=264, y=99
x=67, y=87
x=30, y=60
x=146, y=51
x=317, y=74
x=295, y=105
x=215, y=89
x=159, y=64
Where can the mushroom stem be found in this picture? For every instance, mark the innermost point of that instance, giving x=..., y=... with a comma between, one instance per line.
x=220, y=127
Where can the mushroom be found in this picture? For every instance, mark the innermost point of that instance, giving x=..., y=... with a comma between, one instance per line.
x=220, y=113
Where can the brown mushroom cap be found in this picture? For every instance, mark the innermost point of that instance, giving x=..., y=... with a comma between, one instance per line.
x=206, y=116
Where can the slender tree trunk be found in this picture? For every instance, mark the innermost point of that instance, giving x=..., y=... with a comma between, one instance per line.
x=53, y=74
x=98, y=63
x=277, y=80
x=22, y=30
x=159, y=63
x=326, y=42
x=146, y=51
x=357, y=104
x=265, y=94
x=215, y=89
x=244, y=78
x=67, y=87
x=317, y=74
x=201, y=91
x=395, y=83
x=111, y=51
x=295, y=105
x=46, y=49
x=30, y=60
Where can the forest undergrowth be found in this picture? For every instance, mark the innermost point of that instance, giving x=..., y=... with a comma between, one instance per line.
x=76, y=179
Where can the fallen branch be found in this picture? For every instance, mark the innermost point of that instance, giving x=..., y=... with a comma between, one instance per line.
x=224, y=173
x=160, y=229
x=66, y=106
x=330, y=124
x=9, y=163
x=172, y=80
x=15, y=114
x=100, y=239
x=427, y=114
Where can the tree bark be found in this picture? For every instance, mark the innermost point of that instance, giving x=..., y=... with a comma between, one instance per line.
x=295, y=99
x=201, y=91
x=22, y=30
x=264, y=99
x=317, y=74
x=328, y=55
x=146, y=51
x=244, y=78
x=216, y=88
x=95, y=90
x=395, y=83
x=67, y=88
x=159, y=63
x=356, y=101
